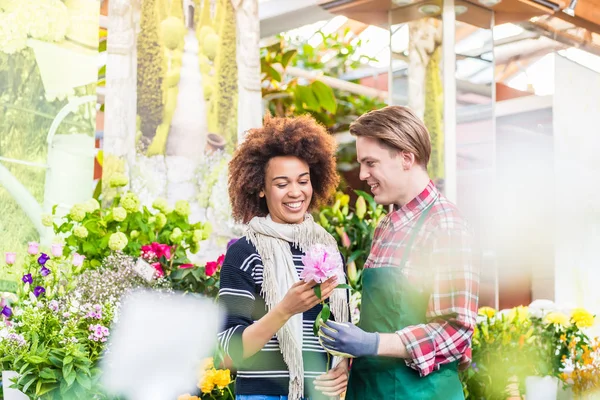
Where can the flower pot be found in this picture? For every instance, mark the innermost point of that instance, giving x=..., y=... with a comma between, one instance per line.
x=214, y=143
x=11, y=394
x=541, y=387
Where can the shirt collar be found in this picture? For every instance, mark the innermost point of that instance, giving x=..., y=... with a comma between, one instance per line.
x=407, y=212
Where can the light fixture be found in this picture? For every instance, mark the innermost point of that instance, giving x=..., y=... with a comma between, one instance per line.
x=571, y=9
x=460, y=9
x=430, y=9
x=489, y=3
x=402, y=2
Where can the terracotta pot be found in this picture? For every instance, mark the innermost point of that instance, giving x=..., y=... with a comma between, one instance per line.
x=214, y=143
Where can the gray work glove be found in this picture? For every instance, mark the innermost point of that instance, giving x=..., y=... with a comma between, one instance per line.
x=348, y=339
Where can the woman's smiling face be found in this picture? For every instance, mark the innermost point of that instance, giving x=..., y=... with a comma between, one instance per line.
x=288, y=190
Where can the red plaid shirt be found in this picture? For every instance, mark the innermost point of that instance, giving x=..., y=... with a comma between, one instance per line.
x=442, y=262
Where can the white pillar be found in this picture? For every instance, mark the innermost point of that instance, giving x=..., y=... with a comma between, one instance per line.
x=449, y=80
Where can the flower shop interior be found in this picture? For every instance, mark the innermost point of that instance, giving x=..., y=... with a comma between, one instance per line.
x=118, y=119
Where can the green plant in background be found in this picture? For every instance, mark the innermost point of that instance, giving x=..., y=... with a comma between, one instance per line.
x=151, y=65
x=433, y=115
x=222, y=116
x=336, y=109
x=353, y=230
x=126, y=226
x=176, y=9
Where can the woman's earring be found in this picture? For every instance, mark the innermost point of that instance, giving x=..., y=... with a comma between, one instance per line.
x=261, y=194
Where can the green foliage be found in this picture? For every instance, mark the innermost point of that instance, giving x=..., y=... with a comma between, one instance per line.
x=334, y=108
x=205, y=16
x=353, y=230
x=433, y=116
x=172, y=32
x=91, y=231
x=222, y=117
x=163, y=9
x=176, y=9
x=210, y=45
x=151, y=66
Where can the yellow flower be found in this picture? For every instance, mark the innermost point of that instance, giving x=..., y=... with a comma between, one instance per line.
x=208, y=363
x=487, y=311
x=187, y=396
x=582, y=318
x=519, y=314
x=557, y=318
x=222, y=378
x=207, y=384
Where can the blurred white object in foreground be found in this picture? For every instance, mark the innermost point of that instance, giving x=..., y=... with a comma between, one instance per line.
x=157, y=345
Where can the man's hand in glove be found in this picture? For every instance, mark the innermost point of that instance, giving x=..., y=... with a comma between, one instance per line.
x=349, y=339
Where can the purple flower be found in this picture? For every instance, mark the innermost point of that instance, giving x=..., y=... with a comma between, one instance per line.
x=53, y=305
x=27, y=279
x=77, y=260
x=44, y=271
x=38, y=290
x=57, y=249
x=43, y=258
x=6, y=311
x=34, y=248
x=10, y=258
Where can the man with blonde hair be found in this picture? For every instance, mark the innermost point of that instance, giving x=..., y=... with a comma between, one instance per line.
x=420, y=284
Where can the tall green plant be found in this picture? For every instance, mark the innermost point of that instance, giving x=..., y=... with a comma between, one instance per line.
x=151, y=65
x=222, y=117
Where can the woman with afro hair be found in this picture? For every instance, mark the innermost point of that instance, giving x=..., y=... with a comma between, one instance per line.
x=280, y=173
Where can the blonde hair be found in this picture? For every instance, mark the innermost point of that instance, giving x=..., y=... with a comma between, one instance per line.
x=398, y=128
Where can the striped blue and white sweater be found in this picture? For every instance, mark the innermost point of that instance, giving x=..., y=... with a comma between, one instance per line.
x=264, y=373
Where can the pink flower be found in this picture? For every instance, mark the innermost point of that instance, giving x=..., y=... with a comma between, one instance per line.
x=10, y=258
x=211, y=268
x=186, y=266
x=57, y=249
x=34, y=248
x=77, y=260
x=321, y=263
x=162, y=250
x=156, y=250
x=158, y=269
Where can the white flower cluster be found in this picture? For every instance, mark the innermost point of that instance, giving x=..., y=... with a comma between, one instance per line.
x=46, y=20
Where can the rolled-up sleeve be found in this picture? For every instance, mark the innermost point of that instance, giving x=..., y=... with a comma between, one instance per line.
x=452, y=310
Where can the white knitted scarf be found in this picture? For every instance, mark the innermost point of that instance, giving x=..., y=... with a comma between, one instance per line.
x=272, y=240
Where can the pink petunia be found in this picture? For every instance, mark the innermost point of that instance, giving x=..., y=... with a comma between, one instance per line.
x=211, y=268
x=321, y=263
x=158, y=269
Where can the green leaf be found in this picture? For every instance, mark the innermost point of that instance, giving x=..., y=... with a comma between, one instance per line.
x=306, y=98
x=344, y=286
x=67, y=369
x=47, y=373
x=68, y=360
x=70, y=378
x=35, y=359
x=317, y=290
x=29, y=383
x=354, y=256
x=317, y=324
x=325, y=313
x=287, y=57
x=46, y=388
x=325, y=96
x=84, y=381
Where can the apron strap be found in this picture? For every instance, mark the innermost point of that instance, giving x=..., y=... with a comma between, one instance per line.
x=414, y=233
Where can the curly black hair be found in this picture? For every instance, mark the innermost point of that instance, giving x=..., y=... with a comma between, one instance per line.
x=301, y=137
